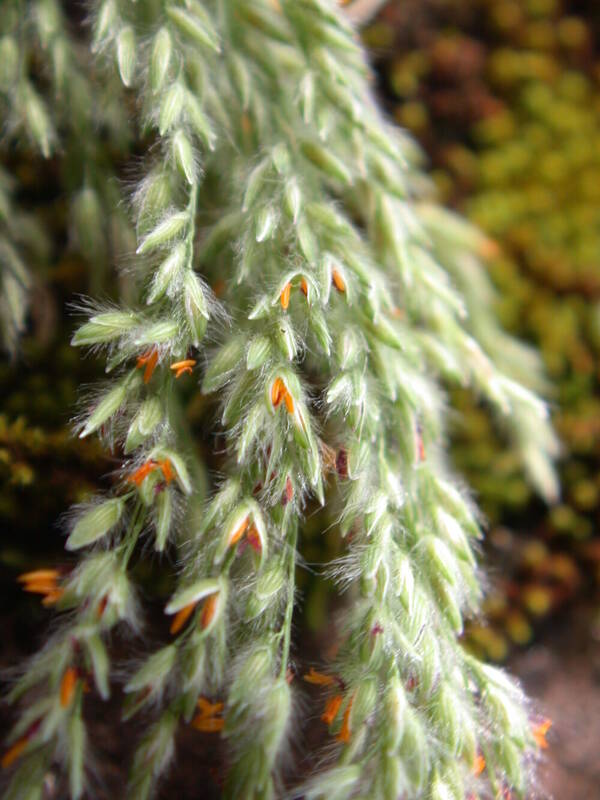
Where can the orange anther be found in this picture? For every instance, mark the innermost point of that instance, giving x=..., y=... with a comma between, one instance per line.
x=289, y=490
x=239, y=531
x=207, y=720
x=278, y=392
x=478, y=765
x=208, y=709
x=209, y=609
x=289, y=402
x=539, y=733
x=13, y=752
x=338, y=281
x=42, y=581
x=148, y=361
x=67, y=686
x=53, y=597
x=284, y=297
x=208, y=724
x=253, y=539
x=344, y=734
x=39, y=575
x=167, y=470
x=332, y=707
x=140, y=475
x=40, y=587
x=304, y=287
x=180, y=367
x=102, y=606
x=319, y=678
x=181, y=618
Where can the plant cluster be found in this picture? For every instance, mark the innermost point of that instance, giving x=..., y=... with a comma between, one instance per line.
x=289, y=255
x=509, y=109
